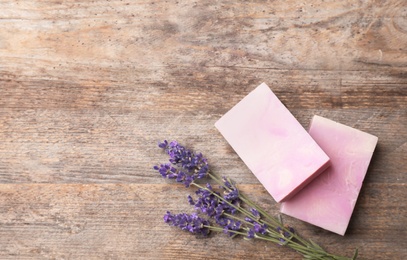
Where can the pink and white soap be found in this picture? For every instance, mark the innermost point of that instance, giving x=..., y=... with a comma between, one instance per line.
x=272, y=143
x=329, y=200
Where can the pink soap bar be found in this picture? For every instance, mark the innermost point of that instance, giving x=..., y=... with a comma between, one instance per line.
x=328, y=201
x=272, y=143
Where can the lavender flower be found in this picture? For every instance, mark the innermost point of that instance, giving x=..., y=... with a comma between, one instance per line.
x=250, y=233
x=188, y=222
x=195, y=164
x=260, y=228
x=231, y=195
x=207, y=202
x=191, y=166
x=211, y=203
x=231, y=192
x=256, y=215
x=191, y=200
x=168, y=171
x=230, y=225
x=285, y=234
x=231, y=217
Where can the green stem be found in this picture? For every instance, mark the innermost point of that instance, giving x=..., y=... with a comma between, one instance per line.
x=239, y=219
x=275, y=223
x=217, y=180
x=219, y=229
x=303, y=246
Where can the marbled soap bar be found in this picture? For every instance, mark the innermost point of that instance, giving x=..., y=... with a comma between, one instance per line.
x=329, y=200
x=272, y=143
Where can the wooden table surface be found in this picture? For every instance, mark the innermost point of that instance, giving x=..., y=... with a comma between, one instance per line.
x=88, y=88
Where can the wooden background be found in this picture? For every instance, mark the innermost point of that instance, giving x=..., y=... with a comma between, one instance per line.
x=88, y=88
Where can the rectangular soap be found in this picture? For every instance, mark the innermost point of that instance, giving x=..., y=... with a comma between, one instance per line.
x=329, y=200
x=272, y=143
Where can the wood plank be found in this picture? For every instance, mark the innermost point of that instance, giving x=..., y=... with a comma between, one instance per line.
x=106, y=221
x=317, y=35
x=211, y=89
x=83, y=146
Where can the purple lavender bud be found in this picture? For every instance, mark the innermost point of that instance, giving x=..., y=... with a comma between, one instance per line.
x=168, y=217
x=163, y=145
x=210, y=211
x=255, y=213
x=190, y=200
x=188, y=180
x=262, y=229
x=234, y=194
x=203, y=172
x=219, y=210
x=208, y=185
x=167, y=171
x=250, y=233
x=257, y=227
x=181, y=176
x=249, y=219
x=285, y=234
x=188, y=222
x=207, y=202
x=231, y=194
x=172, y=173
x=226, y=183
x=203, y=193
x=221, y=221
x=231, y=226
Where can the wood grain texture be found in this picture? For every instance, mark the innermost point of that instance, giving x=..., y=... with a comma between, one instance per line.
x=87, y=88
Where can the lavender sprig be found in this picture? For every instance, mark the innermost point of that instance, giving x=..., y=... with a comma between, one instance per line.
x=189, y=222
x=227, y=209
x=191, y=166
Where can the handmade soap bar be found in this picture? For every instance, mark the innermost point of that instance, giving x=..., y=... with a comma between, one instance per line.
x=328, y=201
x=272, y=143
